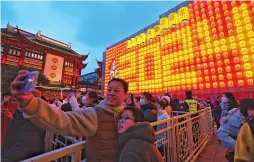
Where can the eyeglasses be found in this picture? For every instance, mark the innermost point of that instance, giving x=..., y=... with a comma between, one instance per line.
x=123, y=118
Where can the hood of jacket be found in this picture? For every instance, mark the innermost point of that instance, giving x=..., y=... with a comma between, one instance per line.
x=142, y=131
x=115, y=110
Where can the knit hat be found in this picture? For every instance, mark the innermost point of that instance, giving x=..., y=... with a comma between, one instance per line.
x=166, y=98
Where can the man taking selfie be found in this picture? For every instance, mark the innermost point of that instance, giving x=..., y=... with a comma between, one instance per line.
x=98, y=123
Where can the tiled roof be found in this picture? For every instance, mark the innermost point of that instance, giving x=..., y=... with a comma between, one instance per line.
x=40, y=39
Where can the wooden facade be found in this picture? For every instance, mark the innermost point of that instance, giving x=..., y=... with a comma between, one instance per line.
x=20, y=48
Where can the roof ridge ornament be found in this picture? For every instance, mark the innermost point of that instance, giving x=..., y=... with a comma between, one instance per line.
x=10, y=28
x=38, y=34
x=69, y=45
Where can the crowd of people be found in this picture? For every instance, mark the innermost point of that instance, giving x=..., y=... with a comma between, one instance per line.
x=116, y=127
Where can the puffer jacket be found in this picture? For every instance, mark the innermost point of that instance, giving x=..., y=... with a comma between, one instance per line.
x=88, y=122
x=162, y=114
x=230, y=127
x=23, y=140
x=137, y=144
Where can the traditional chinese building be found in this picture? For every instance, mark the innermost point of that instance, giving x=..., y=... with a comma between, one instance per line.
x=92, y=81
x=54, y=59
x=99, y=74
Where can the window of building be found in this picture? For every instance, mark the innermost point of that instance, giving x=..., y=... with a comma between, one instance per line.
x=14, y=51
x=2, y=48
x=34, y=54
x=10, y=51
x=69, y=64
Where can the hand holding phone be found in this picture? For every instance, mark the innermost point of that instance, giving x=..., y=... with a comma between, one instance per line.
x=30, y=82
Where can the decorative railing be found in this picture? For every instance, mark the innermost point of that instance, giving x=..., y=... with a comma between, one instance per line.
x=186, y=134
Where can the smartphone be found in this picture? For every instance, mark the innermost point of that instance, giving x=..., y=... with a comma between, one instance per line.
x=30, y=82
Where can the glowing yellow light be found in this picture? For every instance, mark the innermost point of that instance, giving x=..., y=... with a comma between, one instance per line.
x=240, y=82
x=249, y=74
x=247, y=66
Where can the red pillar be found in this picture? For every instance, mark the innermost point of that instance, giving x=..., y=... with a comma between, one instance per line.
x=5, y=52
x=62, y=79
x=44, y=61
x=22, y=56
x=74, y=81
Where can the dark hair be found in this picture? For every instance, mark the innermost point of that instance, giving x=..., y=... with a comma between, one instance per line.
x=93, y=95
x=132, y=99
x=138, y=98
x=188, y=94
x=44, y=98
x=148, y=96
x=137, y=113
x=101, y=98
x=79, y=100
x=124, y=83
x=232, y=103
x=161, y=103
x=51, y=101
x=166, y=104
x=245, y=105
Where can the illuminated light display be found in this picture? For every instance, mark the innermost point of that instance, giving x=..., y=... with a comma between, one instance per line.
x=202, y=46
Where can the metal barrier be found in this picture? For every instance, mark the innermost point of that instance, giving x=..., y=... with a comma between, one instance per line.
x=183, y=138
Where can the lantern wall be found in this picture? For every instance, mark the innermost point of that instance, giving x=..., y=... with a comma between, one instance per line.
x=203, y=46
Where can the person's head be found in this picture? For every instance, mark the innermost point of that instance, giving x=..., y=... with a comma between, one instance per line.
x=160, y=105
x=128, y=118
x=116, y=92
x=101, y=98
x=130, y=99
x=44, y=98
x=79, y=100
x=145, y=98
x=247, y=107
x=229, y=98
x=90, y=97
x=51, y=101
x=165, y=100
x=188, y=94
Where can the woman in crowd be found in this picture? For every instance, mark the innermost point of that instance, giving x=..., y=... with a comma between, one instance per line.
x=217, y=112
x=166, y=101
x=228, y=102
x=130, y=101
x=244, y=149
x=90, y=99
x=134, y=135
x=161, y=115
x=148, y=108
x=8, y=107
x=230, y=127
